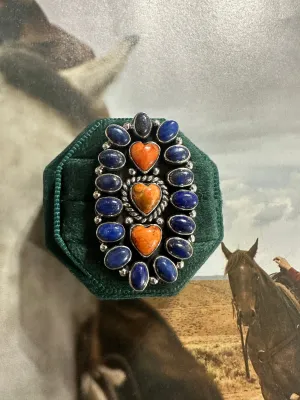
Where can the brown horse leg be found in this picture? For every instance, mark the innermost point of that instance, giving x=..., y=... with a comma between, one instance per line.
x=271, y=393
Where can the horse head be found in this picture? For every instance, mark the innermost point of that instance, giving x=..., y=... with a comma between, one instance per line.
x=243, y=278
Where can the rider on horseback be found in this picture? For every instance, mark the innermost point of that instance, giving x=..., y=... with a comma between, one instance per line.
x=283, y=263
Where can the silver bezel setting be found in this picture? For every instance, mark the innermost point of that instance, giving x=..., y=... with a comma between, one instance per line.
x=155, y=270
x=108, y=191
x=108, y=215
x=130, y=272
x=180, y=208
x=113, y=143
x=133, y=126
x=170, y=140
x=180, y=238
x=177, y=162
x=129, y=153
x=110, y=241
x=123, y=266
x=179, y=233
x=134, y=203
x=145, y=226
x=133, y=212
x=180, y=169
x=111, y=168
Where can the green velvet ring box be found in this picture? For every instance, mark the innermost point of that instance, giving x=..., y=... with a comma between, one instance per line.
x=69, y=209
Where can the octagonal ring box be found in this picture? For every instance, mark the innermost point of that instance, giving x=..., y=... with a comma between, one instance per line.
x=138, y=227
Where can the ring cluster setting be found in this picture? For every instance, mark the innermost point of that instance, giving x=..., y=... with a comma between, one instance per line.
x=145, y=201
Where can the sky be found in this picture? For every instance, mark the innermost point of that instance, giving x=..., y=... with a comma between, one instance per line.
x=229, y=73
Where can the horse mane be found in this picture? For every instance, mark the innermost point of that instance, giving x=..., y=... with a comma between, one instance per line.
x=27, y=71
x=289, y=295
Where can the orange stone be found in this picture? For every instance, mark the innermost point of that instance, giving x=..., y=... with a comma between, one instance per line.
x=146, y=198
x=144, y=155
x=146, y=239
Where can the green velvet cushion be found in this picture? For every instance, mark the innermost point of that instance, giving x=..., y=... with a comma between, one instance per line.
x=69, y=216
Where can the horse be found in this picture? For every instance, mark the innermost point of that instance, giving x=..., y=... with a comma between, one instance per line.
x=25, y=22
x=272, y=316
x=42, y=304
x=129, y=336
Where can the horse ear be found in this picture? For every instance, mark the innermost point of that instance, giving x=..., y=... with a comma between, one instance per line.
x=252, y=252
x=93, y=77
x=226, y=252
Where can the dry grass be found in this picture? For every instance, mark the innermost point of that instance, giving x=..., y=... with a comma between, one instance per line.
x=224, y=361
x=202, y=317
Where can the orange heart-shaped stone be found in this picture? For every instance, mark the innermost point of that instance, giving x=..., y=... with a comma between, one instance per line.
x=146, y=239
x=144, y=155
x=146, y=197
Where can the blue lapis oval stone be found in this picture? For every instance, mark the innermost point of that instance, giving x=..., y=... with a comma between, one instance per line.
x=118, y=135
x=185, y=200
x=181, y=177
x=109, y=206
x=139, y=276
x=167, y=131
x=110, y=232
x=179, y=248
x=109, y=183
x=117, y=257
x=165, y=269
x=182, y=224
x=112, y=159
x=177, y=154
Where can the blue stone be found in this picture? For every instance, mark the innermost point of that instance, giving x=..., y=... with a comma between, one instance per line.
x=165, y=269
x=112, y=159
x=110, y=232
x=117, y=257
x=139, y=276
x=182, y=224
x=181, y=177
x=142, y=125
x=109, y=183
x=185, y=200
x=109, y=206
x=177, y=154
x=117, y=135
x=167, y=131
x=179, y=248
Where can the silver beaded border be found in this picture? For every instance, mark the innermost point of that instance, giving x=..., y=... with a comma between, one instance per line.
x=126, y=188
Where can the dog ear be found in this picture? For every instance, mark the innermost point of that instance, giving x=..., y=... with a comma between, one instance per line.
x=111, y=378
x=90, y=390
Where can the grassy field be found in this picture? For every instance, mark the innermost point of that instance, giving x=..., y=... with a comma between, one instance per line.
x=202, y=317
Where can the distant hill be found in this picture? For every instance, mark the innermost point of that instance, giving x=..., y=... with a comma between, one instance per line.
x=210, y=278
